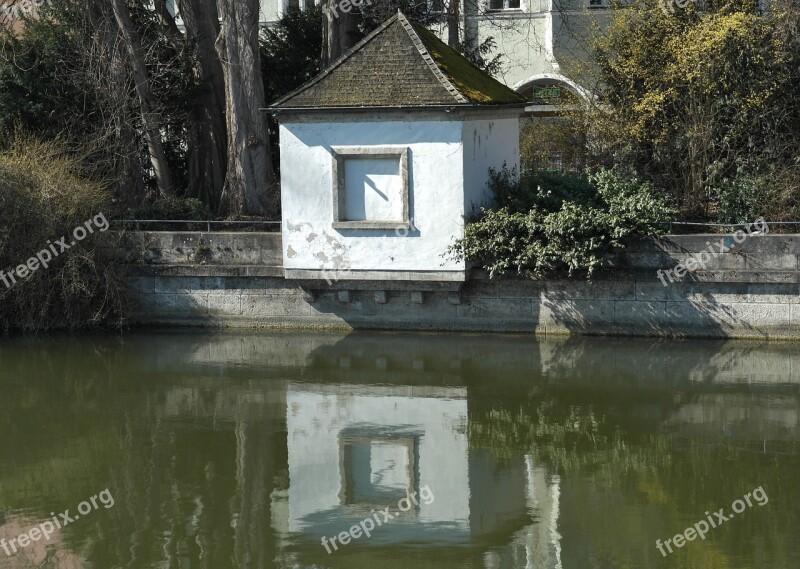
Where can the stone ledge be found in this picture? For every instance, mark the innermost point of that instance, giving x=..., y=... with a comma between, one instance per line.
x=141, y=270
x=403, y=286
x=352, y=275
x=195, y=247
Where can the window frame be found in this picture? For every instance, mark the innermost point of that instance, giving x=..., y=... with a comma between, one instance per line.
x=410, y=443
x=339, y=155
x=505, y=7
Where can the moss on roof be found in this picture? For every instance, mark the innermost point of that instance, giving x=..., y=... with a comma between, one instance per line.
x=476, y=85
x=400, y=63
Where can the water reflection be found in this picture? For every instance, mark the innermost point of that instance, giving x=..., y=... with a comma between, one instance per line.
x=245, y=450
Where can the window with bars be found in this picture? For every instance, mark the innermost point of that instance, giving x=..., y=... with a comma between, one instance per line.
x=504, y=4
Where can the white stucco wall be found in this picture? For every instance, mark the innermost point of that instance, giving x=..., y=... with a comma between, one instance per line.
x=436, y=181
x=272, y=10
x=524, y=40
x=487, y=144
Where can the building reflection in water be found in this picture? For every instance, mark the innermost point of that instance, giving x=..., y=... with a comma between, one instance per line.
x=353, y=450
x=245, y=450
x=367, y=420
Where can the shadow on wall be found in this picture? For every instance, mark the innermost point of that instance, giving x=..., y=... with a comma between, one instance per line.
x=750, y=289
x=715, y=310
x=602, y=307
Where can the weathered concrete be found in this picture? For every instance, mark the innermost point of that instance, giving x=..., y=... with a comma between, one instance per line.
x=756, y=254
x=197, y=248
x=231, y=289
x=762, y=310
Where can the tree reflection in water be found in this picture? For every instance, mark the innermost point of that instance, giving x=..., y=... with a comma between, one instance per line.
x=243, y=450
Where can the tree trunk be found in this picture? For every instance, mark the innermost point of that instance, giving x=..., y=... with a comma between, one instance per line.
x=339, y=31
x=130, y=168
x=453, y=14
x=150, y=119
x=249, y=177
x=107, y=71
x=207, y=133
x=470, y=23
x=168, y=25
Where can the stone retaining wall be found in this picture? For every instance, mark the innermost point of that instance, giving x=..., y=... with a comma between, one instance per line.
x=751, y=291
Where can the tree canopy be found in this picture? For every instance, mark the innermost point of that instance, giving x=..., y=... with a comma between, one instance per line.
x=705, y=103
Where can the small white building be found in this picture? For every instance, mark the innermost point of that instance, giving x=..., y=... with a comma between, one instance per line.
x=385, y=153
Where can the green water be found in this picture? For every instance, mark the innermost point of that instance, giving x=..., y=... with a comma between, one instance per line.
x=245, y=450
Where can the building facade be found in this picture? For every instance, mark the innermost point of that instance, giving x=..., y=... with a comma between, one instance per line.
x=385, y=153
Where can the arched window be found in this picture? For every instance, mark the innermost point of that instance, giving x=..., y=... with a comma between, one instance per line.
x=548, y=91
x=552, y=140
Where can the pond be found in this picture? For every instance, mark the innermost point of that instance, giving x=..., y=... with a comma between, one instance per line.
x=286, y=450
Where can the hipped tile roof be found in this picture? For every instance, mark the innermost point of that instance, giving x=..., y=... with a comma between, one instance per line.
x=400, y=64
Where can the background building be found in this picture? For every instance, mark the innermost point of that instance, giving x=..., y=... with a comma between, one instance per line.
x=541, y=40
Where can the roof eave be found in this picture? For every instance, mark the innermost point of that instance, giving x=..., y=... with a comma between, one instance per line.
x=447, y=107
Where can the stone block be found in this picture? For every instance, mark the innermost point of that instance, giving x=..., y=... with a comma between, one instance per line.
x=641, y=317
x=496, y=308
x=225, y=304
x=771, y=261
x=583, y=290
x=519, y=288
x=192, y=303
x=577, y=316
x=142, y=284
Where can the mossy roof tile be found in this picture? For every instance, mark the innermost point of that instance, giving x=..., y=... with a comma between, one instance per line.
x=400, y=64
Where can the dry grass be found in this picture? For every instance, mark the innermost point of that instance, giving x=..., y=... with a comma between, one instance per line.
x=43, y=197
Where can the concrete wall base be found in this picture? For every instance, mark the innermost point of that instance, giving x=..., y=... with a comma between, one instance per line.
x=610, y=307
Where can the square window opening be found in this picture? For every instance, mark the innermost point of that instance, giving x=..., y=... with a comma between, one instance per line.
x=371, y=189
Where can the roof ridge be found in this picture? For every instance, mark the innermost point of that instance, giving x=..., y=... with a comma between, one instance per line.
x=392, y=72
x=342, y=58
x=428, y=58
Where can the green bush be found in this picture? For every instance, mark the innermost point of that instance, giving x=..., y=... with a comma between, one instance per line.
x=543, y=190
x=569, y=227
x=738, y=200
x=43, y=197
